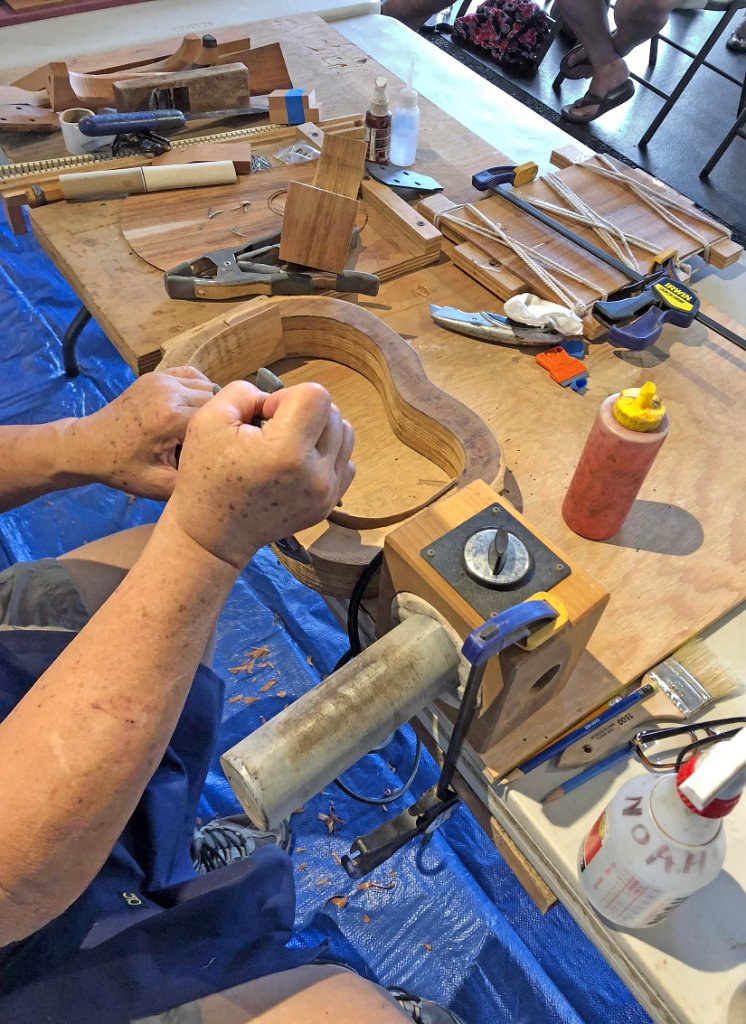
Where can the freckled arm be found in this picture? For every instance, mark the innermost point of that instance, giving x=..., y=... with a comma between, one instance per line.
x=36, y=460
x=86, y=739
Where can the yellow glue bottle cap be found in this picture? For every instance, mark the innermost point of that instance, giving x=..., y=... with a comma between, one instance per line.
x=639, y=408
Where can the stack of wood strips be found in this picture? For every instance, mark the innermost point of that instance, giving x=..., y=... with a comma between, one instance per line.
x=501, y=271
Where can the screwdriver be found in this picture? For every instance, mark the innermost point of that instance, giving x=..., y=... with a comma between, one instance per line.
x=153, y=120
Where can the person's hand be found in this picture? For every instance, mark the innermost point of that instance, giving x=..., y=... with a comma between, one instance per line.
x=131, y=443
x=242, y=486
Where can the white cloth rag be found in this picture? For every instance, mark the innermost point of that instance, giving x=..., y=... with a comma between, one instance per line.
x=530, y=309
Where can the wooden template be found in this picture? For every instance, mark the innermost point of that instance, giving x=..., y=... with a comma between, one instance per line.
x=267, y=69
x=413, y=441
x=238, y=152
x=174, y=228
x=496, y=267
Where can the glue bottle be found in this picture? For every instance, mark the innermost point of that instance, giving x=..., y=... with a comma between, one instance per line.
x=624, y=440
x=652, y=847
x=378, y=125
x=405, y=125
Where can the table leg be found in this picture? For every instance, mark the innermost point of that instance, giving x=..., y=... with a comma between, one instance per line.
x=69, y=341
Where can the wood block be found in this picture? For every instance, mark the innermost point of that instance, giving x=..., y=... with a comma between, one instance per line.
x=341, y=165
x=517, y=684
x=293, y=106
x=267, y=69
x=572, y=153
x=202, y=89
x=411, y=223
x=317, y=227
x=14, y=203
x=725, y=253
x=488, y=272
x=238, y=152
x=61, y=94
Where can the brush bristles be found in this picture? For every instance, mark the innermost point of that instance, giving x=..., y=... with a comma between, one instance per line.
x=710, y=670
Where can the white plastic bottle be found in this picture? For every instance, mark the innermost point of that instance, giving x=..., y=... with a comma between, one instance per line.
x=651, y=848
x=405, y=126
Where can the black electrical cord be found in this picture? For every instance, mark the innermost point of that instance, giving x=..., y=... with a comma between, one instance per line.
x=394, y=794
x=356, y=647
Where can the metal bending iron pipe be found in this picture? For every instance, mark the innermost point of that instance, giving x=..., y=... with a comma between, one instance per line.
x=291, y=758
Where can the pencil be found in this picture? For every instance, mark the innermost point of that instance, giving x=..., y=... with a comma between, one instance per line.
x=590, y=773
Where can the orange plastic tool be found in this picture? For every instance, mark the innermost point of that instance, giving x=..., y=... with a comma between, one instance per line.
x=563, y=369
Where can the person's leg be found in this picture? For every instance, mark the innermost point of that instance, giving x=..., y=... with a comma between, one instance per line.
x=589, y=20
x=413, y=13
x=314, y=995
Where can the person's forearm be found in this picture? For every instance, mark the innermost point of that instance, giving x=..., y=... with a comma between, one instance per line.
x=91, y=732
x=36, y=460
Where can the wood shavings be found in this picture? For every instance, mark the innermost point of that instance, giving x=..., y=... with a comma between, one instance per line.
x=392, y=874
x=252, y=657
x=251, y=700
x=338, y=901
x=331, y=819
x=300, y=849
x=268, y=685
x=232, y=700
x=302, y=866
x=281, y=693
x=427, y=947
x=336, y=858
x=309, y=660
x=323, y=881
x=375, y=885
x=365, y=919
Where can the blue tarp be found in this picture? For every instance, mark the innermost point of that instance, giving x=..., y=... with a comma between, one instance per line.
x=453, y=923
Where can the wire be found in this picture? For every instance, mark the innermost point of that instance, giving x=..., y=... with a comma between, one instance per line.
x=404, y=787
x=356, y=647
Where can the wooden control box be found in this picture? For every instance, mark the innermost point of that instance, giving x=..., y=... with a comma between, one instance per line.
x=523, y=690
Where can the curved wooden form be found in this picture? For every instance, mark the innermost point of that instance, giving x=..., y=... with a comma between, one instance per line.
x=424, y=418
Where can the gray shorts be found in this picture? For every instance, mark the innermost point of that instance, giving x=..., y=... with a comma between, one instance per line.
x=40, y=595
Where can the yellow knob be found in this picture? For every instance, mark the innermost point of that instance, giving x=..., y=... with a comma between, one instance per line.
x=639, y=408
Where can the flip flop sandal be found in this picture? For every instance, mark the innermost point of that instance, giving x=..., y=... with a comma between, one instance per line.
x=580, y=69
x=736, y=43
x=614, y=98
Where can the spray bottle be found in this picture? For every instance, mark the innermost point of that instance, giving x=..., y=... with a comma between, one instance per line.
x=378, y=125
x=624, y=440
x=405, y=125
x=661, y=838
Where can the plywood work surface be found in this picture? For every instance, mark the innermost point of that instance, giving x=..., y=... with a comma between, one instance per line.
x=679, y=562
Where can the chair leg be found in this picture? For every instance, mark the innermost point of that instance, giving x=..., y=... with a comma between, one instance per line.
x=70, y=339
x=653, y=54
x=690, y=72
x=716, y=156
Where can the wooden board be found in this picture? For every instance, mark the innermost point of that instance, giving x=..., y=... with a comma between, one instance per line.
x=166, y=229
x=317, y=227
x=33, y=5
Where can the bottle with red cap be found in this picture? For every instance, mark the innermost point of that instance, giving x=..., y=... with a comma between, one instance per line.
x=653, y=847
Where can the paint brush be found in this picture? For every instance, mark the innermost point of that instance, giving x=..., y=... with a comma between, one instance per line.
x=683, y=685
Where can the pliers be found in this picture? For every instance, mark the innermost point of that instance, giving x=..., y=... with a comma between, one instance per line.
x=255, y=268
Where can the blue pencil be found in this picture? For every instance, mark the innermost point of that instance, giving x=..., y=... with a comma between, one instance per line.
x=609, y=712
x=589, y=773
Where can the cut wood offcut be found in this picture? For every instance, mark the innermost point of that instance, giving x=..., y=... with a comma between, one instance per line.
x=320, y=218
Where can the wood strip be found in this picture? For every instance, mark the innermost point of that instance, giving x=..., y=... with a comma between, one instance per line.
x=411, y=223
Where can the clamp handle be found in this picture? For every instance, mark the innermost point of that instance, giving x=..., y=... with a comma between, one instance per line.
x=136, y=121
x=504, y=174
x=505, y=629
